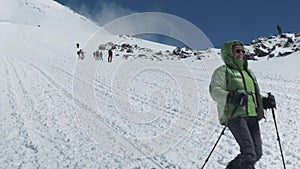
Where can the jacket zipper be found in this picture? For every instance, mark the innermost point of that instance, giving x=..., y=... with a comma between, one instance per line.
x=244, y=82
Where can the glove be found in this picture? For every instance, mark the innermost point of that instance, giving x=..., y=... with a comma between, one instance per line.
x=269, y=102
x=237, y=98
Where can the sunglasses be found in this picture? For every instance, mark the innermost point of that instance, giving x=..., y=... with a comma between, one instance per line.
x=239, y=51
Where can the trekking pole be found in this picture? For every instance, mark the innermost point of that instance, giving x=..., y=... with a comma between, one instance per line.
x=278, y=138
x=222, y=133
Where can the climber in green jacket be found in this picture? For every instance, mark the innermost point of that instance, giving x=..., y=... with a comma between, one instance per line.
x=235, y=89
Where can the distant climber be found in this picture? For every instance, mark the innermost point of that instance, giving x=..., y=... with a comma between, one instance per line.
x=98, y=55
x=80, y=52
x=279, y=30
x=110, y=55
x=101, y=55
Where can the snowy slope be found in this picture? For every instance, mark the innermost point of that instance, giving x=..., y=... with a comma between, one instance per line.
x=41, y=122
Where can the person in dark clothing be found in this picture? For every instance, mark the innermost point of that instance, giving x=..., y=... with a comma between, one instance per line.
x=240, y=105
x=80, y=53
x=279, y=30
x=110, y=55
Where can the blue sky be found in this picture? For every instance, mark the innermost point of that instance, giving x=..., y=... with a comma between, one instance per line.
x=220, y=20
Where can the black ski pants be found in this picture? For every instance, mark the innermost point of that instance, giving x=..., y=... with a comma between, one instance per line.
x=247, y=134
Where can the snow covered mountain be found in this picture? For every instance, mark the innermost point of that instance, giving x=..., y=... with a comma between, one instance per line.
x=44, y=123
x=274, y=46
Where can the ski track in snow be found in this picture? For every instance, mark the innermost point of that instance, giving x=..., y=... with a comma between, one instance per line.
x=40, y=125
x=41, y=112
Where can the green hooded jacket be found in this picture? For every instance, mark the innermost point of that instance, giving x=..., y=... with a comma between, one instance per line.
x=235, y=76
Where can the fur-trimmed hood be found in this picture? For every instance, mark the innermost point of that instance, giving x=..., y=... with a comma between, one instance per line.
x=227, y=55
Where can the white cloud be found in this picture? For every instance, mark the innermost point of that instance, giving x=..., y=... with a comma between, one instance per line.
x=104, y=12
x=117, y=20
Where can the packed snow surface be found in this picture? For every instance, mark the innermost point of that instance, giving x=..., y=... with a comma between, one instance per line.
x=43, y=95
